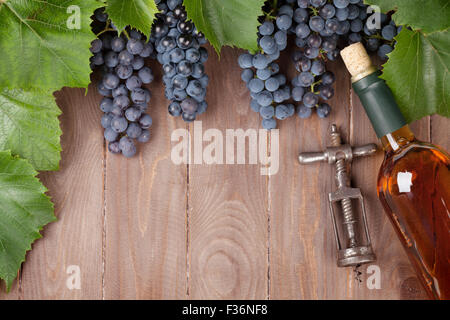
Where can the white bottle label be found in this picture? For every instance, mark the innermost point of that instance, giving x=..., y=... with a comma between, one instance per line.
x=404, y=181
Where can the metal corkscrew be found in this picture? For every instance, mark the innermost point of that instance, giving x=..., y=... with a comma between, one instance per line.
x=352, y=238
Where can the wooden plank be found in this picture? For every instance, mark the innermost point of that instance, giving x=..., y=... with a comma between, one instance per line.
x=302, y=247
x=398, y=280
x=77, y=191
x=227, y=203
x=145, y=214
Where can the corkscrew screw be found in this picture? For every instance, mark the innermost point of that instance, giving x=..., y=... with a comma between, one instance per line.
x=352, y=235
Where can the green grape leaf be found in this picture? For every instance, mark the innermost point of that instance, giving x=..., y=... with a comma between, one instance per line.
x=24, y=211
x=427, y=16
x=417, y=73
x=138, y=14
x=29, y=127
x=45, y=43
x=227, y=22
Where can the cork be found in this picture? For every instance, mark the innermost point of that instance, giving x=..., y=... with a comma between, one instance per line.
x=357, y=61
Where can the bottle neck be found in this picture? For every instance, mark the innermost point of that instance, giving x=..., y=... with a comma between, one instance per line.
x=380, y=105
x=395, y=140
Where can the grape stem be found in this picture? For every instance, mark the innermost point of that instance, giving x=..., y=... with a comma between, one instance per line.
x=106, y=30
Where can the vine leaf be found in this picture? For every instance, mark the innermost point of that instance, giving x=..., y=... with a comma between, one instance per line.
x=227, y=22
x=428, y=16
x=138, y=14
x=24, y=211
x=45, y=43
x=29, y=127
x=418, y=73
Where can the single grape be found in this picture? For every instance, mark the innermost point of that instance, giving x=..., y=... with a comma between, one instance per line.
x=255, y=106
x=269, y=124
x=117, y=44
x=316, y=23
x=189, y=105
x=106, y=105
x=144, y=137
x=297, y=93
x=304, y=112
x=133, y=114
x=120, y=90
x=341, y=3
x=111, y=59
x=193, y=55
x=96, y=46
x=127, y=147
x=106, y=120
x=113, y=147
x=134, y=46
x=124, y=71
x=194, y=88
x=133, y=82
x=140, y=95
x=265, y=98
x=145, y=121
x=121, y=101
x=328, y=78
x=256, y=85
x=284, y=22
x=137, y=63
x=353, y=12
x=272, y=84
x=119, y=124
x=260, y=61
x=175, y=109
x=326, y=92
x=389, y=32
x=383, y=50
x=146, y=75
x=323, y=110
x=101, y=15
x=267, y=112
x=134, y=130
x=310, y=99
x=188, y=117
x=328, y=11
x=281, y=112
x=267, y=28
x=317, y=67
x=302, y=30
x=110, y=81
x=305, y=79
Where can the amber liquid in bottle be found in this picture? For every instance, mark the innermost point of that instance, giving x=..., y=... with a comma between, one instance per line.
x=414, y=188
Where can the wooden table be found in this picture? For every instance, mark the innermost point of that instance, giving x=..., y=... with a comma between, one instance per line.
x=146, y=228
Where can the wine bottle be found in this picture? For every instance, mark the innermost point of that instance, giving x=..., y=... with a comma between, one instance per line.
x=413, y=181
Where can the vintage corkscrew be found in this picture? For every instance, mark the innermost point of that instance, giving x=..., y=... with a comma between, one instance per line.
x=352, y=235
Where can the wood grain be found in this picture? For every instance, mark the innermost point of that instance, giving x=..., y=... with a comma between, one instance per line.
x=145, y=228
x=227, y=203
x=440, y=132
x=77, y=191
x=145, y=225
x=302, y=247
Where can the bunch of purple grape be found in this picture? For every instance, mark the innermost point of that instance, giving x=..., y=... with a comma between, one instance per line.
x=179, y=50
x=269, y=89
x=121, y=58
x=317, y=33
